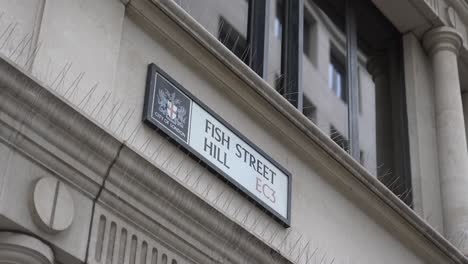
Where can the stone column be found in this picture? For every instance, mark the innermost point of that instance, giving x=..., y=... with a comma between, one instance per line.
x=378, y=68
x=23, y=249
x=443, y=44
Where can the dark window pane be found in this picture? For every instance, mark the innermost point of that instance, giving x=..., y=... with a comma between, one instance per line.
x=307, y=36
x=233, y=39
x=274, y=75
x=310, y=37
x=339, y=138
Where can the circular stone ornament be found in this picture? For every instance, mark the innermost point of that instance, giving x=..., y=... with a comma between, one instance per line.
x=53, y=205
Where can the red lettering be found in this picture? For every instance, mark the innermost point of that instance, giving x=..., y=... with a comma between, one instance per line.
x=271, y=191
x=266, y=190
x=258, y=185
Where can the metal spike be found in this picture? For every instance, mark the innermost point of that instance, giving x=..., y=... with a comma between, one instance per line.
x=17, y=46
x=10, y=29
x=103, y=98
x=88, y=95
x=74, y=85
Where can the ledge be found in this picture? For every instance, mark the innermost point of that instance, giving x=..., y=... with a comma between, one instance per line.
x=360, y=174
x=64, y=127
x=32, y=114
x=19, y=248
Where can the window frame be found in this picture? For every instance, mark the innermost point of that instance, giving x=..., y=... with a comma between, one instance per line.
x=351, y=79
x=348, y=21
x=338, y=69
x=257, y=16
x=256, y=28
x=291, y=54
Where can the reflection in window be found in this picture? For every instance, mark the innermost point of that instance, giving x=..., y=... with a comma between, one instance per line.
x=337, y=78
x=309, y=38
x=379, y=117
x=324, y=74
x=310, y=110
x=279, y=19
x=274, y=75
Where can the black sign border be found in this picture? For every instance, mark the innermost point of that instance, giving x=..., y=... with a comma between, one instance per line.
x=153, y=69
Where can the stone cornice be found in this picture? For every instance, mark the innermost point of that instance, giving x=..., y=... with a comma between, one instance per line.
x=462, y=8
x=36, y=112
x=33, y=114
x=23, y=249
x=313, y=133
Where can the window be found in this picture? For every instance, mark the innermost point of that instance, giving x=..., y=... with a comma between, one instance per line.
x=368, y=121
x=275, y=45
x=284, y=48
x=339, y=139
x=310, y=37
x=306, y=38
x=376, y=120
x=238, y=24
x=337, y=77
x=233, y=39
x=324, y=74
x=279, y=20
x=310, y=110
x=241, y=25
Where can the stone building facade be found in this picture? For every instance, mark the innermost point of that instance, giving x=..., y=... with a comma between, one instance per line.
x=362, y=104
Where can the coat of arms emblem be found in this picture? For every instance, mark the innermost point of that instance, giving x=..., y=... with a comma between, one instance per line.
x=172, y=108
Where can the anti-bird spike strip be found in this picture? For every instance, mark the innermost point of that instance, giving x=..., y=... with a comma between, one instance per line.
x=291, y=243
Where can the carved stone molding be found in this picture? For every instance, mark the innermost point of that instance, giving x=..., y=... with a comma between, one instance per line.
x=202, y=232
x=23, y=249
x=434, y=4
x=117, y=241
x=442, y=38
x=193, y=228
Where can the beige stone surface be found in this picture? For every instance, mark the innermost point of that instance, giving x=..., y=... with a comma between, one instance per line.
x=23, y=249
x=422, y=133
x=20, y=23
x=321, y=212
x=338, y=208
x=53, y=204
x=443, y=44
x=17, y=182
x=79, y=49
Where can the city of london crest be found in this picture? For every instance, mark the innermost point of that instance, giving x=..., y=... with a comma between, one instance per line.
x=171, y=107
